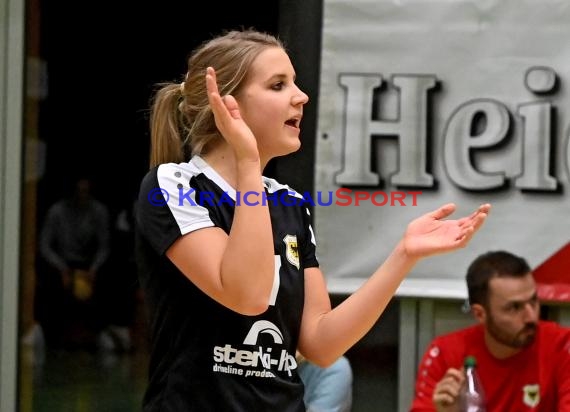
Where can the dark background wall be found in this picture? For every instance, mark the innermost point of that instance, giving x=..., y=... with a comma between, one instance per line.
x=104, y=58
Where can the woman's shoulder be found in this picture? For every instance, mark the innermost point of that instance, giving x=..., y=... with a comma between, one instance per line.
x=166, y=171
x=272, y=186
x=163, y=177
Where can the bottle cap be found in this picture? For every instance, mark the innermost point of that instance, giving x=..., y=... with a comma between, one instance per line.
x=470, y=362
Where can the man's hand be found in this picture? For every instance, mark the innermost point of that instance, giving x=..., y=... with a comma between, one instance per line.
x=446, y=392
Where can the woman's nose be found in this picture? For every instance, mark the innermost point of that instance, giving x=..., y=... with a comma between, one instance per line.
x=300, y=97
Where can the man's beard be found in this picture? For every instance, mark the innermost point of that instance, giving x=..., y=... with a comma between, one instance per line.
x=519, y=340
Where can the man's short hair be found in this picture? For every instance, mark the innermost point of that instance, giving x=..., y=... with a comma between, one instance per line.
x=491, y=265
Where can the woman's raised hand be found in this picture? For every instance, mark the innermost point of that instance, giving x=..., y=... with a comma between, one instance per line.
x=229, y=121
x=430, y=234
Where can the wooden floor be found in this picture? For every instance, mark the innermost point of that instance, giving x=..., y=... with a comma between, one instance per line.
x=97, y=381
x=84, y=382
x=81, y=381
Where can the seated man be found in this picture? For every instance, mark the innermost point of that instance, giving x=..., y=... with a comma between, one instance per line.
x=523, y=362
x=326, y=389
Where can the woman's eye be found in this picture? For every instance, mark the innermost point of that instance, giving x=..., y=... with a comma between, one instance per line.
x=277, y=86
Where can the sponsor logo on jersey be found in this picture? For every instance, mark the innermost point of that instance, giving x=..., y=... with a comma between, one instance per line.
x=292, y=250
x=263, y=326
x=252, y=360
x=531, y=395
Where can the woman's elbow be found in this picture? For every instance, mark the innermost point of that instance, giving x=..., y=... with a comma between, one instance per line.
x=322, y=360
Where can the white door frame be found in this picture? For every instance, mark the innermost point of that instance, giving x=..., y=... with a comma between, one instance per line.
x=12, y=52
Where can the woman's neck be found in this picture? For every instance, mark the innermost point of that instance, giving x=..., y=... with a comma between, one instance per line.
x=222, y=159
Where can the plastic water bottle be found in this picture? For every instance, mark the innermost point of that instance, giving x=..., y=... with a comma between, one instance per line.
x=472, y=396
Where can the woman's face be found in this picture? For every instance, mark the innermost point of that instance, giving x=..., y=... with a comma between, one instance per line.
x=272, y=105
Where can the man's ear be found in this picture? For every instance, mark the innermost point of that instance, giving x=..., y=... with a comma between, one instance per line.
x=479, y=312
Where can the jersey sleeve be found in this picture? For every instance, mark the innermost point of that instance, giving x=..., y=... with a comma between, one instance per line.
x=167, y=207
x=285, y=196
x=563, y=371
x=430, y=371
x=309, y=243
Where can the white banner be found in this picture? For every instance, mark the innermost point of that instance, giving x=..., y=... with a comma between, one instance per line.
x=427, y=102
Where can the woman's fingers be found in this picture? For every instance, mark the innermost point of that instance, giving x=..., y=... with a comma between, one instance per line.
x=212, y=84
x=224, y=108
x=228, y=120
x=443, y=211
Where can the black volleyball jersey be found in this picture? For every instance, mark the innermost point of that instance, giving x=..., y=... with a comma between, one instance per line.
x=206, y=357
